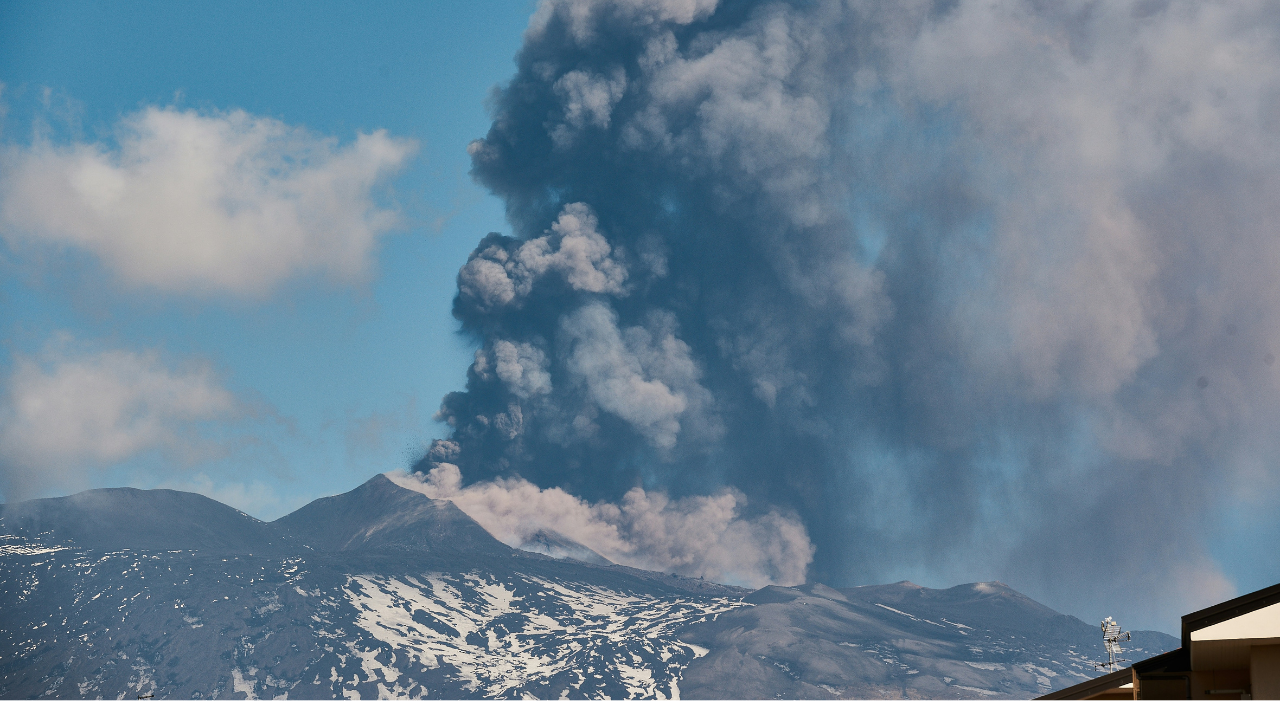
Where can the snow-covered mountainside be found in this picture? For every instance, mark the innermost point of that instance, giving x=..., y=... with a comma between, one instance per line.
x=384, y=592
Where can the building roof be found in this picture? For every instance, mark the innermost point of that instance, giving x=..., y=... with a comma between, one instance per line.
x=1093, y=687
x=1249, y=607
x=1217, y=637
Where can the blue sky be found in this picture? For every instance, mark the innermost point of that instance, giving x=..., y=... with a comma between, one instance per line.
x=333, y=379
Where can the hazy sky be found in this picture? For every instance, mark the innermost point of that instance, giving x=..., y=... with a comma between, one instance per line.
x=849, y=291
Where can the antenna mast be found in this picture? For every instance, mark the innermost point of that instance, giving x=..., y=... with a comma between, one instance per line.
x=1111, y=638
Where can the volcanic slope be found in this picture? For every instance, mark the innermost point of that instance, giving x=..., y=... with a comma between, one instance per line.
x=383, y=591
x=137, y=519
x=380, y=591
x=973, y=641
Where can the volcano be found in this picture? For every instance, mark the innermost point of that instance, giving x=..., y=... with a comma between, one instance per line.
x=383, y=591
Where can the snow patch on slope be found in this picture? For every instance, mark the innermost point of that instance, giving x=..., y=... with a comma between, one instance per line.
x=524, y=635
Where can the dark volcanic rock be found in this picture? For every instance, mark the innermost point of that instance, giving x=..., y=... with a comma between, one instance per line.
x=379, y=515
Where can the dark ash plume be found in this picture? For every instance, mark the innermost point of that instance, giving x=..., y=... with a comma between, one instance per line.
x=932, y=277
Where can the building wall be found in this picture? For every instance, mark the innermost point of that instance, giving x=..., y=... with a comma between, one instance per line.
x=1264, y=666
x=1163, y=686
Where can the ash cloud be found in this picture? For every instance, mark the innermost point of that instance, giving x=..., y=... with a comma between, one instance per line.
x=977, y=290
x=697, y=536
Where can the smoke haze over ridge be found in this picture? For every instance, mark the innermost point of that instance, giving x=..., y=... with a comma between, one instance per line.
x=970, y=290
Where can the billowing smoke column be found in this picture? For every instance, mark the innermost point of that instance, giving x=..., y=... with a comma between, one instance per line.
x=969, y=289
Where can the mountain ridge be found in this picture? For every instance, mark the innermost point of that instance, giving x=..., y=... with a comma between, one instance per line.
x=384, y=591
x=156, y=519
x=381, y=514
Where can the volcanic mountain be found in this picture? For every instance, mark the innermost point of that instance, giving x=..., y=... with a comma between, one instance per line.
x=378, y=515
x=383, y=591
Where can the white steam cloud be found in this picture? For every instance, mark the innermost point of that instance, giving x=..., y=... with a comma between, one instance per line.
x=63, y=412
x=697, y=536
x=205, y=203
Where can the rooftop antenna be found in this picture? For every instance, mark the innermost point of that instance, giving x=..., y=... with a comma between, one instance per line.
x=1111, y=638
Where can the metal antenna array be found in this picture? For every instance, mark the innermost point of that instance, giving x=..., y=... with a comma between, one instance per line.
x=1111, y=638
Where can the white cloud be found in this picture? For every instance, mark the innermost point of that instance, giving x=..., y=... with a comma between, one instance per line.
x=205, y=203
x=703, y=536
x=63, y=414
